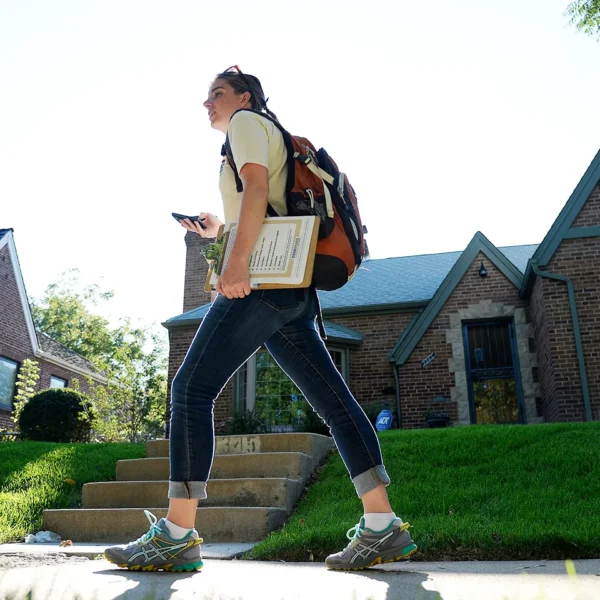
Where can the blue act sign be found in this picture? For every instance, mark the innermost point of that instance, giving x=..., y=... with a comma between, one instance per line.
x=384, y=420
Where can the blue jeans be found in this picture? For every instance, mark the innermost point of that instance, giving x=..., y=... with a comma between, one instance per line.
x=285, y=320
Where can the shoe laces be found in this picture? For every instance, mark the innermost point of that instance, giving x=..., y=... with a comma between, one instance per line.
x=355, y=532
x=154, y=530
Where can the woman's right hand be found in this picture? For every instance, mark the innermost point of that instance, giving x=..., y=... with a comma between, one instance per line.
x=210, y=221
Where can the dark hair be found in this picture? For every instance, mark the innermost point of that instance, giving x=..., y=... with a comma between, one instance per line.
x=248, y=83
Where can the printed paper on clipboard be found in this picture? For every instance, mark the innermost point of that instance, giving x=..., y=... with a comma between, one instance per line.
x=283, y=255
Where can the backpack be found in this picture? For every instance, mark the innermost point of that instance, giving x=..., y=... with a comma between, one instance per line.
x=315, y=186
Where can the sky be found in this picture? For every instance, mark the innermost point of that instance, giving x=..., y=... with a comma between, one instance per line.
x=448, y=117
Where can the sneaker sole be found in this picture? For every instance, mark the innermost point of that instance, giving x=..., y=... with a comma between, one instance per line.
x=190, y=567
x=378, y=561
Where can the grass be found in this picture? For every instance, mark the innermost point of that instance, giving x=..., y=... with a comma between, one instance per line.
x=470, y=493
x=35, y=476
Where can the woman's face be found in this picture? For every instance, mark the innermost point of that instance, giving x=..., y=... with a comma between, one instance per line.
x=222, y=102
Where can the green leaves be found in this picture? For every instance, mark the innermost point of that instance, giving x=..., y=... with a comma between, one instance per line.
x=214, y=253
x=131, y=406
x=585, y=16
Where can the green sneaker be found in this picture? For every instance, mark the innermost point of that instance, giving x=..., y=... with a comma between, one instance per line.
x=156, y=550
x=368, y=548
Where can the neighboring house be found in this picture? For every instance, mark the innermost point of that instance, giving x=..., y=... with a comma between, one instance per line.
x=487, y=335
x=19, y=339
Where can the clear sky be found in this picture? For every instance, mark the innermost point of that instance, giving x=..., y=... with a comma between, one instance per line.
x=449, y=118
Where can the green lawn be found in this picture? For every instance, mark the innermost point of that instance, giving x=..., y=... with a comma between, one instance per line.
x=479, y=492
x=33, y=474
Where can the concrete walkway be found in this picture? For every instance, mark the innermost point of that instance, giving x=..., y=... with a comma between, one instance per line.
x=249, y=580
x=220, y=550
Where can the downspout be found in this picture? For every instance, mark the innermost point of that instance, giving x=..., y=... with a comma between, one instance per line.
x=576, y=333
x=395, y=368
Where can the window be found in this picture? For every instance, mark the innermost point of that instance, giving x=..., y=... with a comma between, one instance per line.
x=57, y=382
x=8, y=379
x=260, y=384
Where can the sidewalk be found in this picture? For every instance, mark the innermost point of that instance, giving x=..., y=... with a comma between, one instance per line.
x=253, y=580
x=223, y=550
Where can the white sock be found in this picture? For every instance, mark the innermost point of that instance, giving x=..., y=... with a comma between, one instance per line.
x=379, y=521
x=175, y=531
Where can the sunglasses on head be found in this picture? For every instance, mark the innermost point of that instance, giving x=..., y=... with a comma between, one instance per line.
x=236, y=69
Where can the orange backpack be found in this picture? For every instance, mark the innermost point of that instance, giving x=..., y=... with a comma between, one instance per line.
x=315, y=186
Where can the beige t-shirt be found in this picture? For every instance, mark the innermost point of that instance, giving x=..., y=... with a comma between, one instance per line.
x=254, y=139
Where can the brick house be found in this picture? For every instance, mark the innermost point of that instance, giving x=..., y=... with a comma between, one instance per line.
x=487, y=335
x=20, y=340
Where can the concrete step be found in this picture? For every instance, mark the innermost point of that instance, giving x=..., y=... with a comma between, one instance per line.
x=122, y=525
x=279, y=492
x=312, y=444
x=290, y=465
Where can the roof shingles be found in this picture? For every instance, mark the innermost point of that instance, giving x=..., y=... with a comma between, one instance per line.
x=398, y=280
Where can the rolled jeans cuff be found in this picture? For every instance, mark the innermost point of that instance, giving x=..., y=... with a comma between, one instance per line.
x=187, y=490
x=369, y=480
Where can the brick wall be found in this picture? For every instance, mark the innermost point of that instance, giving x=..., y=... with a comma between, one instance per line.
x=180, y=340
x=418, y=385
x=196, y=270
x=544, y=341
x=579, y=260
x=589, y=215
x=371, y=374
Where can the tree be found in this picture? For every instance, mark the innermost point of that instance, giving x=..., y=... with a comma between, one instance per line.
x=28, y=376
x=585, y=16
x=132, y=404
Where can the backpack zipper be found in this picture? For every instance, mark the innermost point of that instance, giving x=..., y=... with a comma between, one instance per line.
x=311, y=196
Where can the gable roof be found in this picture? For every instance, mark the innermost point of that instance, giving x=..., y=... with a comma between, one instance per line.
x=557, y=233
x=334, y=331
x=389, y=283
x=57, y=350
x=43, y=346
x=417, y=328
x=386, y=284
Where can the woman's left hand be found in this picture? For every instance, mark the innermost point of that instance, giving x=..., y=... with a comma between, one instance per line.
x=234, y=281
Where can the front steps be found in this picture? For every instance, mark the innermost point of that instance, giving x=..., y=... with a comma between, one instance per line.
x=254, y=483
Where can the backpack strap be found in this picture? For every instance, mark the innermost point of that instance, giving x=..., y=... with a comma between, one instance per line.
x=226, y=151
x=228, y=154
x=323, y=175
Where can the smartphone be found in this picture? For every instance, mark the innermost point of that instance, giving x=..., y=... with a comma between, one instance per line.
x=179, y=217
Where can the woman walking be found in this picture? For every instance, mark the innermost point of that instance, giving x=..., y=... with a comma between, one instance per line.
x=240, y=320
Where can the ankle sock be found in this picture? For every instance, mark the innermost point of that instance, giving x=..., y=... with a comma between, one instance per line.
x=379, y=521
x=175, y=531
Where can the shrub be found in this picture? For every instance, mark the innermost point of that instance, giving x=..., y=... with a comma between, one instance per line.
x=372, y=410
x=242, y=422
x=309, y=421
x=57, y=415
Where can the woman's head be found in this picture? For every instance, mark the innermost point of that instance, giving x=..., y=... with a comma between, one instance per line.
x=230, y=91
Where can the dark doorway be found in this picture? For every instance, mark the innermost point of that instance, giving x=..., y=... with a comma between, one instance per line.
x=492, y=375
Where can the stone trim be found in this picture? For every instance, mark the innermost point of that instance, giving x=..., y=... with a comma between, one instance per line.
x=485, y=309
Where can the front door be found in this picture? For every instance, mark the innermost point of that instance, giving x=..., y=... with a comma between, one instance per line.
x=492, y=375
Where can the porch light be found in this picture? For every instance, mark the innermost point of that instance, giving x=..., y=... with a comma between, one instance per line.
x=482, y=270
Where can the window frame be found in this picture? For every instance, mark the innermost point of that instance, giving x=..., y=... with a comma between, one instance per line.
x=246, y=398
x=11, y=406
x=66, y=382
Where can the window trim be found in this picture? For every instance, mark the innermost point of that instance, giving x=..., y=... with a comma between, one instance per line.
x=66, y=381
x=11, y=406
x=250, y=391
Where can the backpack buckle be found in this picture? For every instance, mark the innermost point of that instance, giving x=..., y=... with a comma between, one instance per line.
x=303, y=158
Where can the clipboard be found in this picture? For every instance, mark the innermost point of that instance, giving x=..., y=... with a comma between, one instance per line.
x=262, y=280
